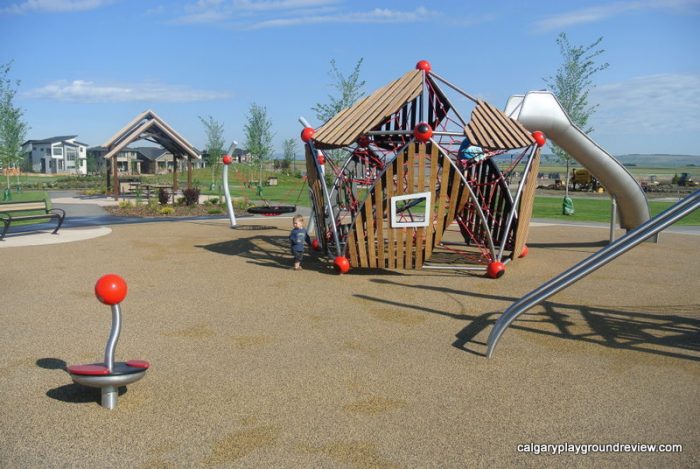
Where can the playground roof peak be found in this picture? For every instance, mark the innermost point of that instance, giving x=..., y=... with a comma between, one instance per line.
x=149, y=126
x=417, y=96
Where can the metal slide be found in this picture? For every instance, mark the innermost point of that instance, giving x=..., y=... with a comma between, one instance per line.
x=592, y=263
x=540, y=110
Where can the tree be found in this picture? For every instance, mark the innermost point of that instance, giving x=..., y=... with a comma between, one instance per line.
x=258, y=134
x=290, y=149
x=571, y=86
x=215, y=145
x=349, y=89
x=13, y=129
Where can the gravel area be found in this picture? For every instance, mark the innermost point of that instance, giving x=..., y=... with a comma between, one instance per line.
x=256, y=365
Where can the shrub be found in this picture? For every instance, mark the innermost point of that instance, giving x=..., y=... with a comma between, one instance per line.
x=213, y=200
x=124, y=204
x=215, y=211
x=167, y=211
x=163, y=196
x=241, y=203
x=180, y=200
x=191, y=196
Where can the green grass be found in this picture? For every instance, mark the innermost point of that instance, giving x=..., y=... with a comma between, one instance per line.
x=596, y=210
x=642, y=173
x=289, y=188
x=27, y=196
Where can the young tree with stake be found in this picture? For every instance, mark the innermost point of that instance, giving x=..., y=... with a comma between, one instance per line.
x=571, y=85
x=13, y=129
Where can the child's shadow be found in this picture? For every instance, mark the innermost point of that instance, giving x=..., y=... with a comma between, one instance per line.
x=268, y=251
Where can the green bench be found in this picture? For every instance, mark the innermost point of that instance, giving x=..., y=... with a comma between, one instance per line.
x=29, y=211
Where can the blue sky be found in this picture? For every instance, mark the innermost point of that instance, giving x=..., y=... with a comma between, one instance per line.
x=87, y=67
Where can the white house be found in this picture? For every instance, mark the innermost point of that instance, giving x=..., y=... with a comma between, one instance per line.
x=53, y=155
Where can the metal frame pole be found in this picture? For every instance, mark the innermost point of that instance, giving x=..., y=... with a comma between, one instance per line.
x=514, y=203
x=472, y=196
x=452, y=106
x=591, y=264
x=113, y=337
x=326, y=196
x=454, y=87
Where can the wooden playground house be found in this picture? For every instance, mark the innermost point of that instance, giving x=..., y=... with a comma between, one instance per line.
x=388, y=181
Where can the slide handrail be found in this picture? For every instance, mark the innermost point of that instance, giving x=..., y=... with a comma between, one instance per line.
x=591, y=264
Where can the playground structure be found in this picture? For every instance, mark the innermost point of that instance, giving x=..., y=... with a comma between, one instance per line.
x=391, y=175
x=108, y=376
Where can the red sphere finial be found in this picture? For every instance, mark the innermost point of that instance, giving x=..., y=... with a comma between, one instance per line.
x=315, y=245
x=495, y=269
x=307, y=134
x=320, y=158
x=227, y=160
x=423, y=132
x=539, y=137
x=424, y=65
x=110, y=289
x=342, y=264
x=524, y=251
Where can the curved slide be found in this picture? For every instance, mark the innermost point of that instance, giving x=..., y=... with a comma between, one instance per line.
x=540, y=110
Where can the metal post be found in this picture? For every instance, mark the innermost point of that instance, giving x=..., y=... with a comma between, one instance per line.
x=613, y=218
x=229, y=205
x=109, y=397
x=113, y=337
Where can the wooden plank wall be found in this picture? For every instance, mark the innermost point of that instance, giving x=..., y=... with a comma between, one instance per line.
x=346, y=126
x=491, y=128
x=373, y=243
x=527, y=200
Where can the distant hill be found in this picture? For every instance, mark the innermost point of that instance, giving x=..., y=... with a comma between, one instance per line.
x=648, y=160
x=664, y=160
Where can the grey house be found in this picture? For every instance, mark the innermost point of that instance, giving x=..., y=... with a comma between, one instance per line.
x=62, y=154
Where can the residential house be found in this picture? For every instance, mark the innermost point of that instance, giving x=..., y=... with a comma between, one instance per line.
x=62, y=154
x=239, y=156
x=140, y=160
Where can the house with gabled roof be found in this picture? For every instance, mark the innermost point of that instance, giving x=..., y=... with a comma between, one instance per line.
x=55, y=155
x=140, y=160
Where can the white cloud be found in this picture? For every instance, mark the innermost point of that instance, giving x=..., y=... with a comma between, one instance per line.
x=54, y=6
x=276, y=5
x=248, y=14
x=602, y=12
x=652, y=105
x=378, y=15
x=90, y=92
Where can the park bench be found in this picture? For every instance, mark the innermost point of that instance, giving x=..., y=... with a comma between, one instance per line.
x=29, y=211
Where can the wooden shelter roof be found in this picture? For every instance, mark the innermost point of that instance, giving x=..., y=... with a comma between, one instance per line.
x=491, y=128
x=346, y=126
x=149, y=126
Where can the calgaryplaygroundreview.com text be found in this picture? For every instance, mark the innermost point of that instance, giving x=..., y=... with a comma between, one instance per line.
x=587, y=448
